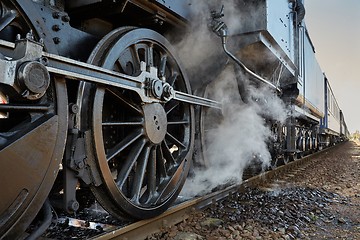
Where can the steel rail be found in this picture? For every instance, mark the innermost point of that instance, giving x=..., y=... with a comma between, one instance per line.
x=144, y=228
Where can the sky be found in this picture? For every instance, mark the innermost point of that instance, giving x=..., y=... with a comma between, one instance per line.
x=334, y=28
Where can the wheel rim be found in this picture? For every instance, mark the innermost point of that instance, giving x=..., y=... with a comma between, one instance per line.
x=29, y=139
x=142, y=150
x=209, y=120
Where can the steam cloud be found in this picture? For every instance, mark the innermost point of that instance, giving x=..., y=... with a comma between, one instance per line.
x=241, y=133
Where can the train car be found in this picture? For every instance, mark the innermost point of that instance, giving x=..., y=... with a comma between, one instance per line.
x=94, y=96
x=310, y=101
x=344, y=131
x=332, y=123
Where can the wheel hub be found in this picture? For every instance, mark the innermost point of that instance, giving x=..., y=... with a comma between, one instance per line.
x=34, y=78
x=155, y=122
x=157, y=88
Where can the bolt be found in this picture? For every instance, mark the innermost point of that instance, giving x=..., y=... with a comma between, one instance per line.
x=56, y=28
x=56, y=40
x=30, y=35
x=74, y=108
x=65, y=18
x=44, y=61
x=56, y=15
x=73, y=205
x=74, y=131
x=168, y=91
x=80, y=165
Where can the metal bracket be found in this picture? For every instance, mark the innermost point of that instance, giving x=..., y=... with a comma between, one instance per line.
x=24, y=75
x=74, y=162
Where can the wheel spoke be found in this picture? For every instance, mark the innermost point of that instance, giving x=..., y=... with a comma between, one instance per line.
x=175, y=140
x=150, y=56
x=130, y=162
x=23, y=107
x=127, y=103
x=162, y=66
x=125, y=63
x=183, y=122
x=168, y=155
x=169, y=185
x=140, y=174
x=160, y=162
x=119, y=66
x=151, y=172
x=173, y=78
x=127, y=141
x=7, y=19
x=122, y=123
x=135, y=56
x=171, y=106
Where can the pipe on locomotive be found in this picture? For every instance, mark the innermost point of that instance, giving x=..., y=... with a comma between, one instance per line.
x=220, y=29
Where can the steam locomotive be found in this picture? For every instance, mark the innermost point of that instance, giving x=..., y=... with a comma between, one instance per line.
x=93, y=95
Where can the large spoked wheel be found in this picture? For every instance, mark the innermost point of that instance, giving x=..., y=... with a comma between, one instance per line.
x=142, y=151
x=209, y=121
x=32, y=134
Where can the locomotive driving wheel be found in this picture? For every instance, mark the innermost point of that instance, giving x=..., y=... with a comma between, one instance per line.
x=142, y=151
x=32, y=129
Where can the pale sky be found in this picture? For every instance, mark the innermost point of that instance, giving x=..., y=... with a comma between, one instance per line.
x=334, y=28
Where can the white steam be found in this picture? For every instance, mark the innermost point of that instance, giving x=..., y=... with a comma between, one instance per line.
x=240, y=136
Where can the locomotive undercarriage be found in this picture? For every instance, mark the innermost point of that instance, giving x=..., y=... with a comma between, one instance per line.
x=122, y=124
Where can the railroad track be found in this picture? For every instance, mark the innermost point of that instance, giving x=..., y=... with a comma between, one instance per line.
x=268, y=180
